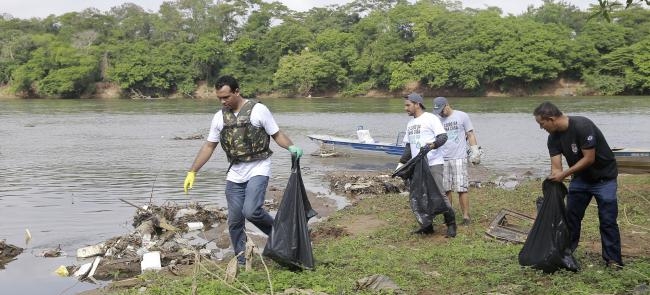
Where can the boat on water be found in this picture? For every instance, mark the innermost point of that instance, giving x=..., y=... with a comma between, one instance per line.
x=363, y=142
x=629, y=160
x=632, y=160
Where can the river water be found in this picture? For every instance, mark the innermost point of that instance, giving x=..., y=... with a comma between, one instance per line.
x=64, y=164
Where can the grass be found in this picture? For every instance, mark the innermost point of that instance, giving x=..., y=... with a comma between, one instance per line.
x=471, y=263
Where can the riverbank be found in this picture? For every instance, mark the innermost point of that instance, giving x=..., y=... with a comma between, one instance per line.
x=371, y=237
x=559, y=87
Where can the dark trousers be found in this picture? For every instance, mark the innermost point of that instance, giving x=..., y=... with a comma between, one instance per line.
x=580, y=194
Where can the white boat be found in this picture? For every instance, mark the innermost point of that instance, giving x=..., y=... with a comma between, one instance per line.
x=363, y=142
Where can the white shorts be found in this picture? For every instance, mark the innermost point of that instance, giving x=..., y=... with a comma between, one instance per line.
x=455, y=175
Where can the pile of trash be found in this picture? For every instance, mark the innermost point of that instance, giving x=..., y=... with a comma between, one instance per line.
x=369, y=184
x=164, y=236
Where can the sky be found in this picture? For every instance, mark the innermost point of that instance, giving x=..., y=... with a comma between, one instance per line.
x=43, y=8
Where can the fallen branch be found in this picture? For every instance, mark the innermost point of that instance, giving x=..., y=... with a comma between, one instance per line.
x=635, y=193
x=129, y=203
x=197, y=259
x=222, y=279
x=268, y=274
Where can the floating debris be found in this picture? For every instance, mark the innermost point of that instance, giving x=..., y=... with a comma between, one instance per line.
x=190, y=137
x=92, y=250
x=28, y=236
x=62, y=271
x=56, y=252
x=8, y=252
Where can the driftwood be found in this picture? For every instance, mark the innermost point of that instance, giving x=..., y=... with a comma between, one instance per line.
x=136, y=94
x=8, y=252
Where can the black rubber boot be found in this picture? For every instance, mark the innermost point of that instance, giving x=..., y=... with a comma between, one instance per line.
x=450, y=221
x=424, y=230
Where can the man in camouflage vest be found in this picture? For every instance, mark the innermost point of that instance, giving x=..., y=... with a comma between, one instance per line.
x=243, y=127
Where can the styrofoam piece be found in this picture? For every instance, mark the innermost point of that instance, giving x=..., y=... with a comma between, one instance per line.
x=184, y=212
x=150, y=261
x=83, y=270
x=93, y=250
x=93, y=268
x=195, y=225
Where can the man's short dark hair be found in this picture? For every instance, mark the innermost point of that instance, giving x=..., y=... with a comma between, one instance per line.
x=547, y=110
x=230, y=81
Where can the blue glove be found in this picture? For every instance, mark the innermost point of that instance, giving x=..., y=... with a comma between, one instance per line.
x=296, y=151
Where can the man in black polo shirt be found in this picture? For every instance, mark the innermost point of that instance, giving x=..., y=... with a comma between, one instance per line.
x=593, y=169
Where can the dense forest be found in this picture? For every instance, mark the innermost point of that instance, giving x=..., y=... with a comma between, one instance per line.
x=351, y=49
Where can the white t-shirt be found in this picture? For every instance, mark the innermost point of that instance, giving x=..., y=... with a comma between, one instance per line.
x=422, y=130
x=242, y=172
x=457, y=125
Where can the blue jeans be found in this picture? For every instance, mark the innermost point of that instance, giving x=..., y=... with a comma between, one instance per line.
x=580, y=194
x=245, y=202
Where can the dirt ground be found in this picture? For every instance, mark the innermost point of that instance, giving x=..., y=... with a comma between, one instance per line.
x=635, y=242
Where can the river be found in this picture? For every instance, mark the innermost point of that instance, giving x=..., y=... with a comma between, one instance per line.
x=64, y=164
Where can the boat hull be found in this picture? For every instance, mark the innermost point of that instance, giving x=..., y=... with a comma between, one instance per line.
x=388, y=148
x=632, y=160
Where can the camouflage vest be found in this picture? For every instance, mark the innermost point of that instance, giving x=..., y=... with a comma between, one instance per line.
x=242, y=141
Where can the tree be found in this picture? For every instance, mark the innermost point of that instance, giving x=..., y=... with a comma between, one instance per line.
x=337, y=47
x=155, y=71
x=383, y=38
x=560, y=12
x=624, y=70
x=467, y=70
x=533, y=52
x=132, y=22
x=605, y=7
x=430, y=69
x=56, y=69
x=307, y=73
x=208, y=56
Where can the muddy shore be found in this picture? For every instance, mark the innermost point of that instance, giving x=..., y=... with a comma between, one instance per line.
x=354, y=186
x=123, y=254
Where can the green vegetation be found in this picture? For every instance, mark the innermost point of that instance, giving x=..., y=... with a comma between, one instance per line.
x=372, y=237
x=385, y=45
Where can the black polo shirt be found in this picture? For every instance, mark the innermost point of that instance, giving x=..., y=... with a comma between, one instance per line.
x=583, y=134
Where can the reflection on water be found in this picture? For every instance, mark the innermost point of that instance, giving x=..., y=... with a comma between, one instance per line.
x=66, y=163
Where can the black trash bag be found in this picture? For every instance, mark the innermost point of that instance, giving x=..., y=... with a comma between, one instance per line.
x=548, y=245
x=289, y=243
x=425, y=197
x=406, y=171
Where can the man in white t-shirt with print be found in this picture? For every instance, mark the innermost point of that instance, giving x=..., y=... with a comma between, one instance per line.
x=243, y=128
x=423, y=130
x=459, y=131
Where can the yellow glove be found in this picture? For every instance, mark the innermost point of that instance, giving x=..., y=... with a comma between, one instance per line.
x=189, y=180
